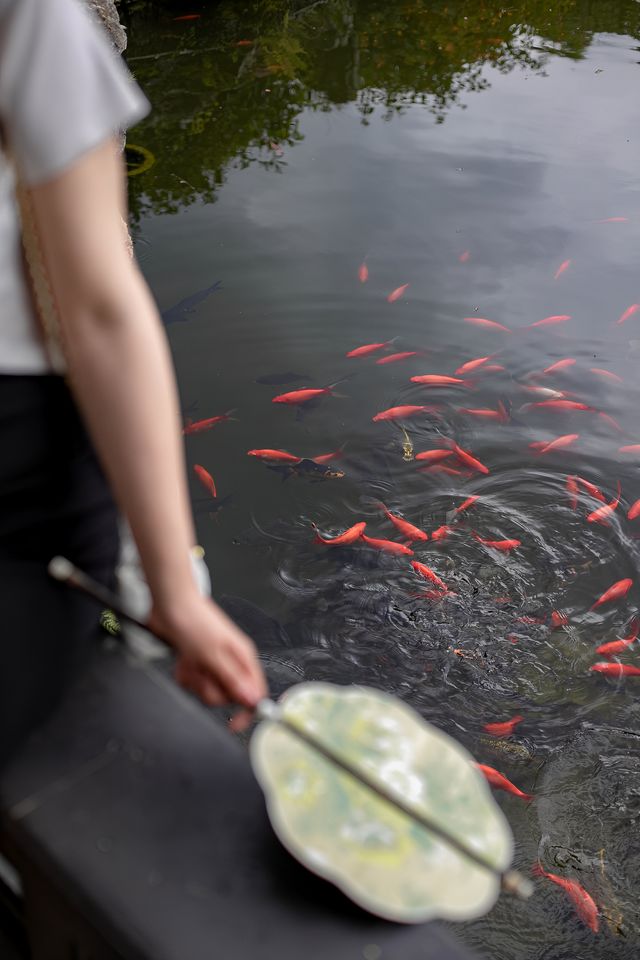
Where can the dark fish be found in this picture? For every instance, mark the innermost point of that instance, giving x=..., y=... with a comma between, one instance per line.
x=306, y=468
x=180, y=311
x=275, y=379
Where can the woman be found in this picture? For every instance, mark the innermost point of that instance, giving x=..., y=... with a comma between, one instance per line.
x=63, y=99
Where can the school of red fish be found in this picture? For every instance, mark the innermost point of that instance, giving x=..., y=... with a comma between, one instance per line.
x=452, y=459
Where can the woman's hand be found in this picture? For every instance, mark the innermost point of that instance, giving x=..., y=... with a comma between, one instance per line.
x=215, y=660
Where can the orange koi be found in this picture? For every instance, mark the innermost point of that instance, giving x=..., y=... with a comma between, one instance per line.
x=387, y=546
x=443, y=468
x=634, y=511
x=468, y=459
x=616, y=591
x=187, y=16
x=244, y=43
x=629, y=312
x=472, y=365
x=610, y=420
x=617, y=646
x=559, y=405
x=401, y=413
x=303, y=396
x=600, y=372
x=328, y=457
x=504, y=729
x=558, y=619
x=394, y=357
x=428, y=574
x=397, y=293
x=630, y=448
x=488, y=414
x=560, y=365
x=280, y=455
x=487, y=324
x=492, y=368
x=551, y=321
x=544, y=392
x=344, y=539
x=433, y=456
x=199, y=426
x=573, y=490
x=205, y=479
x=408, y=531
x=616, y=669
x=442, y=532
x=602, y=513
x=614, y=220
x=559, y=443
x=464, y=256
x=582, y=901
x=561, y=269
x=469, y=502
x=592, y=490
x=363, y=272
x=500, y=782
x=438, y=380
x=369, y=348
x=504, y=545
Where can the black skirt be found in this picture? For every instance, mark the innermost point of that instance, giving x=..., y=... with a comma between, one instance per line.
x=53, y=500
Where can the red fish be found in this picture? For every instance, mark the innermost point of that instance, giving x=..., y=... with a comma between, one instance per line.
x=442, y=532
x=487, y=324
x=397, y=293
x=394, y=357
x=559, y=443
x=472, y=365
x=328, y=457
x=500, y=782
x=468, y=459
x=560, y=365
x=488, y=414
x=573, y=490
x=504, y=729
x=428, y=574
x=349, y=536
x=616, y=591
x=244, y=43
x=602, y=513
x=205, y=479
x=408, y=531
x=433, y=456
x=267, y=454
x=368, y=348
x=559, y=405
x=616, y=669
x=600, y=372
x=561, y=269
x=464, y=256
x=401, y=413
x=614, y=220
x=551, y=321
x=629, y=312
x=187, y=16
x=582, y=901
x=610, y=420
x=558, y=619
x=634, y=511
x=296, y=397
x=387, y=546
x=437, y=380
x=443, y=468
x=492, y=368
x=363, y=272
x=504, y=545
x=631, y=448
x=592, y=490
x=617, y=646
x=199, y=426
x=469, y=502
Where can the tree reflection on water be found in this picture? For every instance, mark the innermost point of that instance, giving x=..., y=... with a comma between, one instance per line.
x=222, y=103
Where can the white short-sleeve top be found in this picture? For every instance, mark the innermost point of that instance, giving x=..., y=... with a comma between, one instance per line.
x=62, y=92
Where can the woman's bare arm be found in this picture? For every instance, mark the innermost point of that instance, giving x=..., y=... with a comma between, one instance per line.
x=122, y=376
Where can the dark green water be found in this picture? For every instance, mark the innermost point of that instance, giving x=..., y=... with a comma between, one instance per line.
x=406, y=135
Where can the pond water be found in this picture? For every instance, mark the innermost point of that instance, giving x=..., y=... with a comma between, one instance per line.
x=487, y=156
